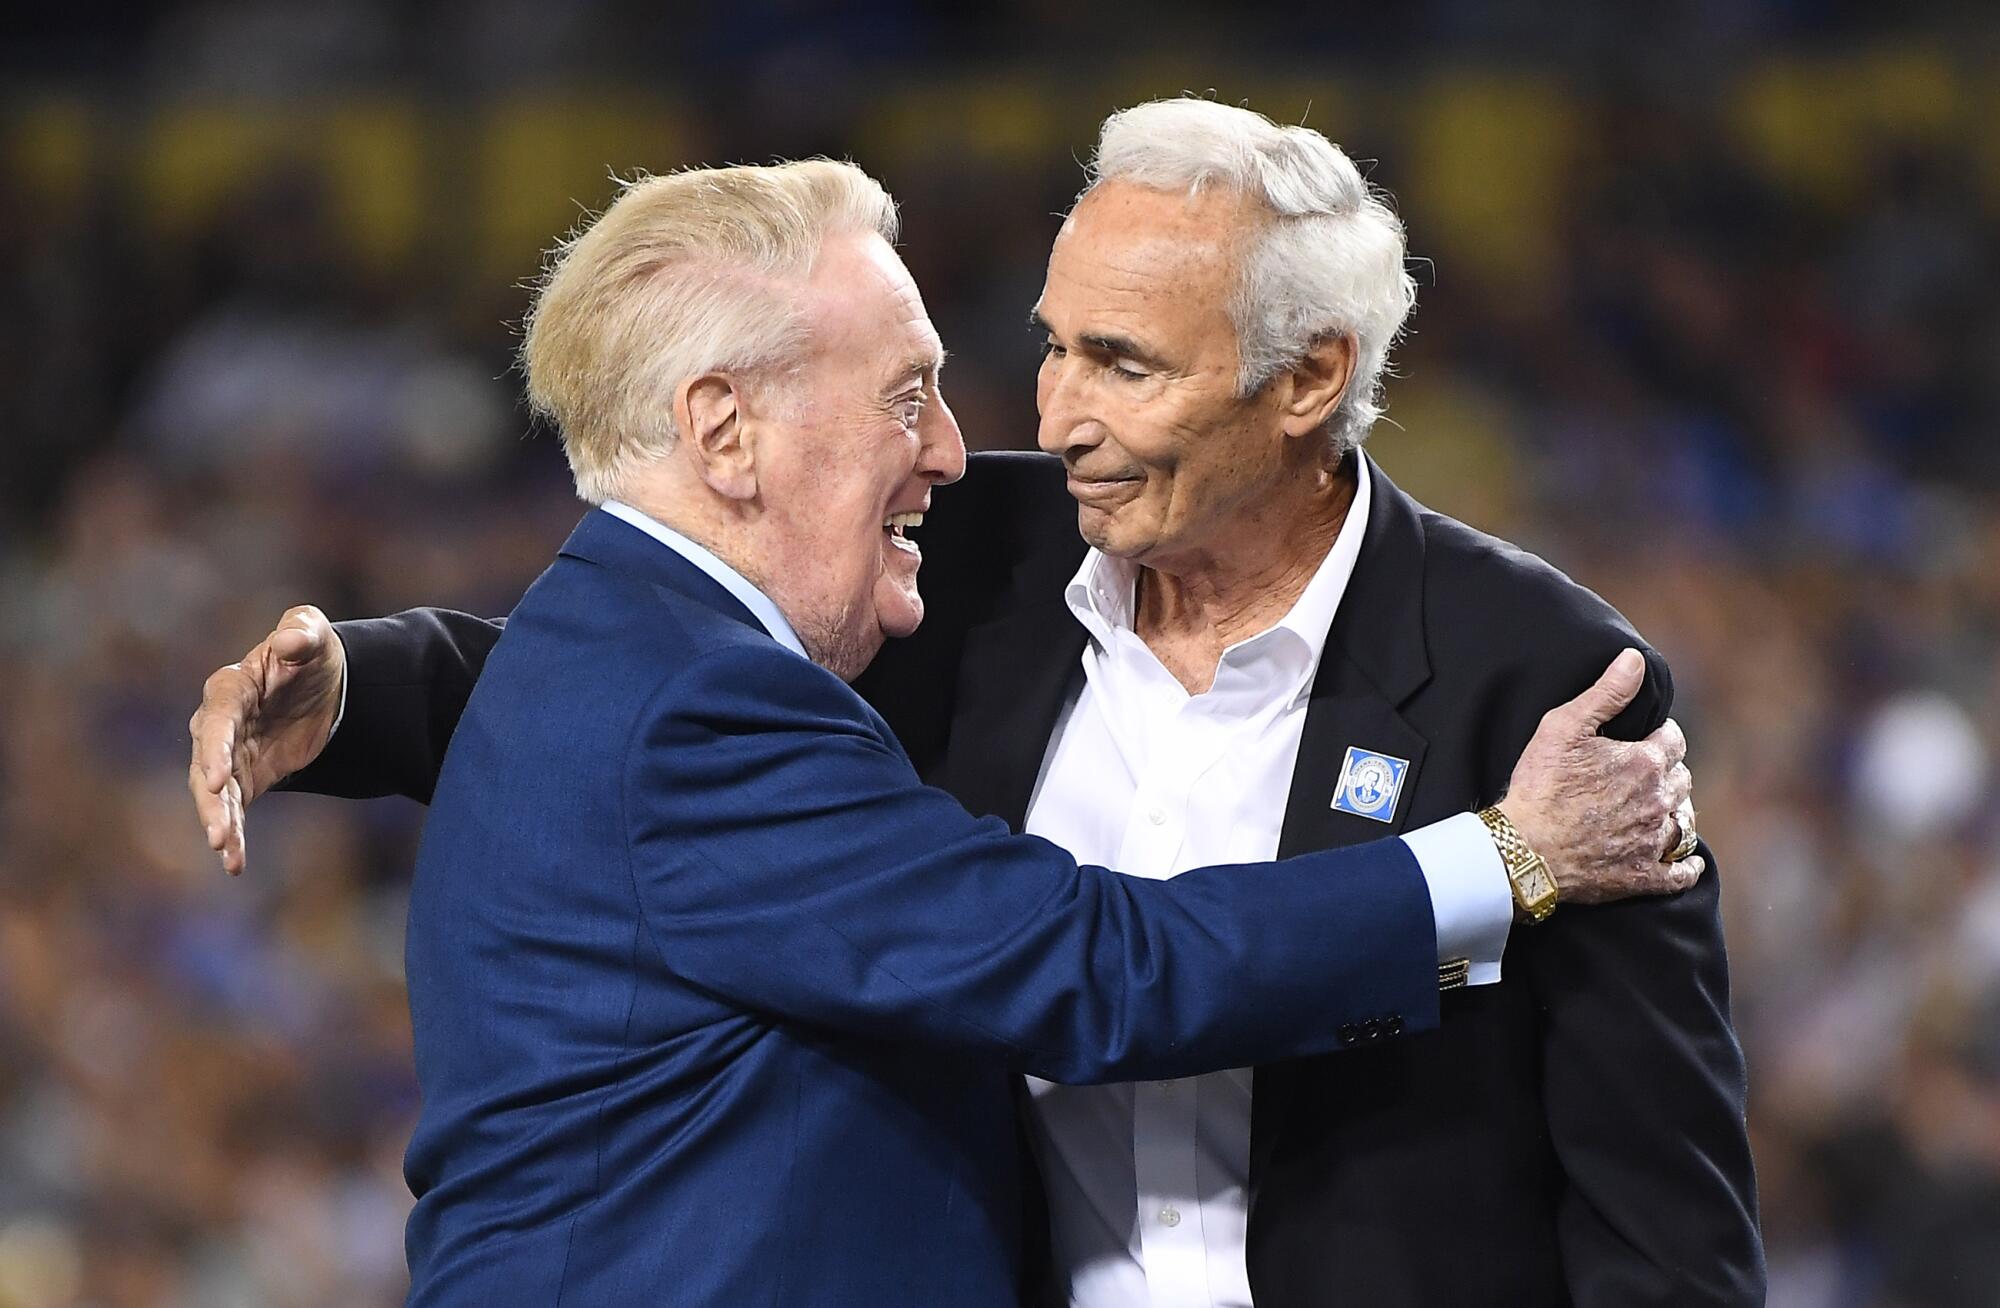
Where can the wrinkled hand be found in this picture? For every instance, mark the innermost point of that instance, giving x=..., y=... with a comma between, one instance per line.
x=1602, y=812
x=261, y=720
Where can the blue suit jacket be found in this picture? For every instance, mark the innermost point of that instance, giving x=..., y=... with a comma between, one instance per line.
x=715, y=1003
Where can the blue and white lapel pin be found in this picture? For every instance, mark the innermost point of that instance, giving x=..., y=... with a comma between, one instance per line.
x=1370, y=784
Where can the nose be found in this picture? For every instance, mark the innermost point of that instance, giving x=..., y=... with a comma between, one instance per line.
x=1065, y=425
x=941, y=457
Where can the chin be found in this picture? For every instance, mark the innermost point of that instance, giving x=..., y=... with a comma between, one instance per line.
x=1101, y=534
x=1094, y=526
x=905, y=623
x=898, y=611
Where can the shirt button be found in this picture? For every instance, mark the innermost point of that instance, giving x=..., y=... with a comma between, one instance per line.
x=1170, y=1217
x=1157, y=816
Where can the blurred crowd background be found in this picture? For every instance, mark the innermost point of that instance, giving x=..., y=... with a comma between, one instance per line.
x=1706, y=317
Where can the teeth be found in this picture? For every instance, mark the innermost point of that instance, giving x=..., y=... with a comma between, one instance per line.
x=904, y=520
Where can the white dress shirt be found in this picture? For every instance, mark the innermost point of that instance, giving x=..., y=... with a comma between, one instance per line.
x=1147, y=1183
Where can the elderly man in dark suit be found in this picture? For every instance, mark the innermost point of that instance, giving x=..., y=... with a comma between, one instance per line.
x=1259, y=646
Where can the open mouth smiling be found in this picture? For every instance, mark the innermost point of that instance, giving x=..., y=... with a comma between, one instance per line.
x=895, y=524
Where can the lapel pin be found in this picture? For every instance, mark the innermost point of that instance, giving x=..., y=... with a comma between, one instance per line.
x=1370, y=784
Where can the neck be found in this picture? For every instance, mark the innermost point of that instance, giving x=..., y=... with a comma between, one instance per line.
x=711, y=526
x=1193, y=607
x=706, y=529
x=728, y=531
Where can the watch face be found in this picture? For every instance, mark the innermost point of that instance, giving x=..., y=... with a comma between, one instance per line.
x=1537, y=886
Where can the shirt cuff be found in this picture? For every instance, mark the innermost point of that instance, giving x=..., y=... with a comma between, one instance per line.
x=1471, y=898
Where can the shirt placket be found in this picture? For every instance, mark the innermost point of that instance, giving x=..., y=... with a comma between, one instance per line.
x=1164, y=1113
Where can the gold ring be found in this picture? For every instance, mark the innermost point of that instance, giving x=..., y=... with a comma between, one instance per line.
x=1684, y=819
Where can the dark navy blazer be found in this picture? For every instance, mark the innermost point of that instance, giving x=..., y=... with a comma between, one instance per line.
x=716, y=1003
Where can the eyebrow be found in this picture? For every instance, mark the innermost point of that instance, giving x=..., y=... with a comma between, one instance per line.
x=1123, y=347
x=929, y=363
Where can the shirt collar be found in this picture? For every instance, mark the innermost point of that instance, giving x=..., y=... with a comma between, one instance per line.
x=728, y=578
x=1101, y=593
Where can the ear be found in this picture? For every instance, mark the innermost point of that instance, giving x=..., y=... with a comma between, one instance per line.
x=708, y=411
x=1317, y=383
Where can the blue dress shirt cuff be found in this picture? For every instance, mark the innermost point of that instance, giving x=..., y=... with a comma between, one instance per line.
x=1470, y=896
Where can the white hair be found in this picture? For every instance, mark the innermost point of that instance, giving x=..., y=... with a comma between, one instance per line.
x=1329, y=261
x=691, y=273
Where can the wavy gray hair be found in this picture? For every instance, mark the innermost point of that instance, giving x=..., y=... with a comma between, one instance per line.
x=1329, y=261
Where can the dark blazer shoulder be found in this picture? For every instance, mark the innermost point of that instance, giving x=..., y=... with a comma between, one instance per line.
x=1024, y=471
x=1472, y=571
x=1009, y=505
x=1507, y=615
x=999, y=541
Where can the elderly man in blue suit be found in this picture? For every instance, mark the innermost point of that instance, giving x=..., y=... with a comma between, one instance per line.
x=714, y=1001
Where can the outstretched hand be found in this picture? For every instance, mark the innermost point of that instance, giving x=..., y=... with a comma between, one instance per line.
x=260, y=720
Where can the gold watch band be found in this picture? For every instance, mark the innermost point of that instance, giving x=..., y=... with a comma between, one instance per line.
x=1527, y=872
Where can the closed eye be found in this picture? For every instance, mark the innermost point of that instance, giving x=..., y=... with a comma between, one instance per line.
x=1114, y=364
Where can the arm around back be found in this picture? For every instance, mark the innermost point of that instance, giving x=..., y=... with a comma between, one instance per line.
x=786, y=857
x=408, y=678
x=410, y=674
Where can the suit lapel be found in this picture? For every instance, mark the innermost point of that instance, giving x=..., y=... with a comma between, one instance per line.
x=1035, y=651
x=1375, y=659
x=1346, y=711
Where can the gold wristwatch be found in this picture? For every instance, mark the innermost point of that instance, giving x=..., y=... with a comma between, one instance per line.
x=1528, y=872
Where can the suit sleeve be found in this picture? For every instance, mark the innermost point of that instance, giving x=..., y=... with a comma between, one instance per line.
x=787, y=858
x=408, y=678
x=1645, y=1086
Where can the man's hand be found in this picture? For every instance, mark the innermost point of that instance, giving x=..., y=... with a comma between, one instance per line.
x=261, y=720
x=1603, y=812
